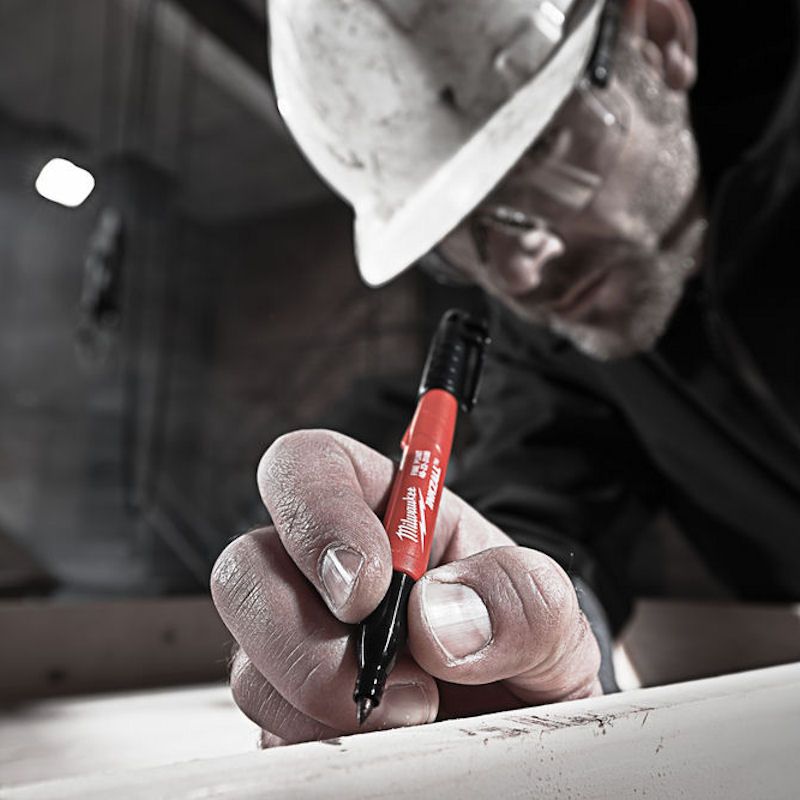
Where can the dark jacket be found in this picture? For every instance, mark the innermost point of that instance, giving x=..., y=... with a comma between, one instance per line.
x=574, y=456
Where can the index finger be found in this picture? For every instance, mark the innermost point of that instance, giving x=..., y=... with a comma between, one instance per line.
x=326, y=494
x=322, y=491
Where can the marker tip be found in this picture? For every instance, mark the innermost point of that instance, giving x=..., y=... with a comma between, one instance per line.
x=364, y=708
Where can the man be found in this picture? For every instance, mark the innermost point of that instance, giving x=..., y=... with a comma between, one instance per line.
x=638, y=364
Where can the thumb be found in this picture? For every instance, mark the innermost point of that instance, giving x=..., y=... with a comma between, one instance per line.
x=505, y=614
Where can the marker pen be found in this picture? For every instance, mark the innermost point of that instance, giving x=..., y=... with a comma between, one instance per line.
x=449, y=381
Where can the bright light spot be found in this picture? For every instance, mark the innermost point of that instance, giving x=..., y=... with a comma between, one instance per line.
x=65, y=183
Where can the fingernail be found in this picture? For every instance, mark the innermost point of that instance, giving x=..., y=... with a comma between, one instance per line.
x=338, y=571
x=405, y=704
x=457, y=618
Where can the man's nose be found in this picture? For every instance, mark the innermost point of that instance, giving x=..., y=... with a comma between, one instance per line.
x=520, y=269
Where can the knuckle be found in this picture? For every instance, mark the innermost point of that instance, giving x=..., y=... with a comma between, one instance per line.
x=279, y=456
x=553, y=589
x=289, y=451
x=225, y=571
x=233, y=580
x=255, y=697
x=240, y=678
x=290, y=474
x=543, y=595
x=293, y=516
x=554, y=649
x=537, y=580
x=573, y=672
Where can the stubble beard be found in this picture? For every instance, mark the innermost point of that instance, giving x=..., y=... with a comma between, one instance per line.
x=650, y=283
x=655, y=292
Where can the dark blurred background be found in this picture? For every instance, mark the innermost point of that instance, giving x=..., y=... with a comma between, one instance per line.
x=200, y=302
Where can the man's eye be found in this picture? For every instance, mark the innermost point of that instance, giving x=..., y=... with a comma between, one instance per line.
x=547, y=141
x=554, y=143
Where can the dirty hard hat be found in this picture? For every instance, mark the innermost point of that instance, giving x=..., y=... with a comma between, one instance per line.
x=413, y=110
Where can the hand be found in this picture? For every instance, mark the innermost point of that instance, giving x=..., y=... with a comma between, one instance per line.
x=491, y=625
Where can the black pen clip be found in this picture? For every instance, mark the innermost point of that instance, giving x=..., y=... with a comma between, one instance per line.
x=599, y=68
x=455, y=358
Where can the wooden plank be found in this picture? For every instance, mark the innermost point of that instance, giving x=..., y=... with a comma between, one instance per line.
x=59, y=648
x=52, y=739
x=734, y=737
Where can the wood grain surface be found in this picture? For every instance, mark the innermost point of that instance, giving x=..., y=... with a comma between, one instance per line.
x=733, y=737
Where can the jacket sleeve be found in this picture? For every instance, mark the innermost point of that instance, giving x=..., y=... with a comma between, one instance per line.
x=555, y=466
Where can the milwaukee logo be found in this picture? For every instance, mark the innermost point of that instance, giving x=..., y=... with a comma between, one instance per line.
x=412, y=527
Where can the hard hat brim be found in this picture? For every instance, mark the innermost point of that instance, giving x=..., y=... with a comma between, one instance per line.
x=385, y=247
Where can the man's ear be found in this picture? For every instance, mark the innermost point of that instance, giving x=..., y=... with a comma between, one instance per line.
x=668, y=33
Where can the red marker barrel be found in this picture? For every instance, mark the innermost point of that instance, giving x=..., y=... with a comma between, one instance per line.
x=414, y=502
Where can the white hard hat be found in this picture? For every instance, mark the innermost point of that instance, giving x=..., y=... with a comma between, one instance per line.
x=413, y=110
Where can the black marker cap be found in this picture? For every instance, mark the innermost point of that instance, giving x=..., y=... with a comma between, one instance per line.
x=455, y=359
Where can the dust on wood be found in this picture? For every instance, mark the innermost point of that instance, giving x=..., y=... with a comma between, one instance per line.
x=532, y=723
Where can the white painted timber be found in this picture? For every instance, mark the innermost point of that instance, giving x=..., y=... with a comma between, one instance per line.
x=735, y=737
x=65, y=738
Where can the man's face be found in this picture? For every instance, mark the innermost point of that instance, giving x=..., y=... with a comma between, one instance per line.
x=602, y=258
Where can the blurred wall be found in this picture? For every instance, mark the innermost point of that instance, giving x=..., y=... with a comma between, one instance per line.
x=128, y=462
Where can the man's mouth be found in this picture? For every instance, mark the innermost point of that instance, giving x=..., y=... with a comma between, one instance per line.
x=580, y=296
